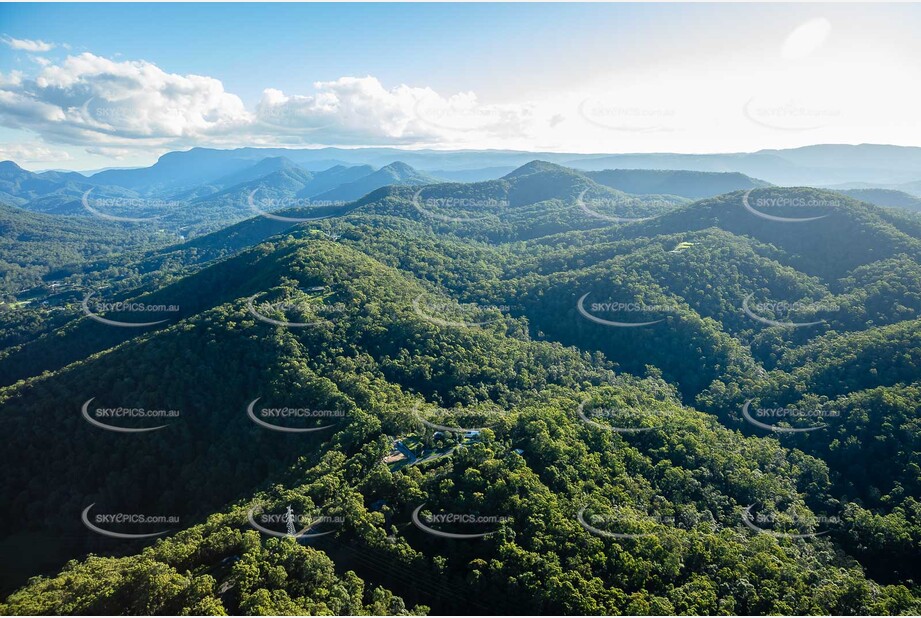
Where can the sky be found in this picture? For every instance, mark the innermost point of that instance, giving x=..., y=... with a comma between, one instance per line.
x=87, y=86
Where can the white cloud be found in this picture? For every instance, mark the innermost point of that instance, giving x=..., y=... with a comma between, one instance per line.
x=774, y=99
x=27, y=45
x=32, y=152
x=110, y=106
x=14, y=78
x=92, y=101
x=360, y=110
x=111, y=153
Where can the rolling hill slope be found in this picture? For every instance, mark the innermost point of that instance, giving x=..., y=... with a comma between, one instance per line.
x=585, y=356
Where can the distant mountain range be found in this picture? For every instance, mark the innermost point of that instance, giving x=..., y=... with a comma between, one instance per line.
x=46, y=189
x=202, y=190
x=819, y=165
x=816, y=165
x=397, y=173
x=694, y=185
x=885, y=197
x=912, y=188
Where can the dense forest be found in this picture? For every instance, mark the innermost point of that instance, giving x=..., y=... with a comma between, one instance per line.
x=550, y=393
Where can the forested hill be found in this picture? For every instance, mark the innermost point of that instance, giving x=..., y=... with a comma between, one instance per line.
x=36, y=248
x=886, y=197
x=612, y=403
x=694, y=185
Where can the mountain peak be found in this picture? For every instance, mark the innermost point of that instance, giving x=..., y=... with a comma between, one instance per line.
x=9, y=166
x=400, y=168
x=272, y=164
x=535, y=167
x=280, y=160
